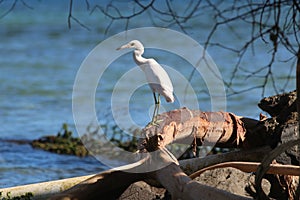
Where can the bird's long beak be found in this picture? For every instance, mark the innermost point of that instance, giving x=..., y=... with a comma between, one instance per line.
x=123, y=47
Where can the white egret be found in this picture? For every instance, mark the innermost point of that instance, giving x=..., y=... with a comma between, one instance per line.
x=156, y=76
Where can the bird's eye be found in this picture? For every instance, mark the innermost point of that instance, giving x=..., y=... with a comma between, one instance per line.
x=131, y=44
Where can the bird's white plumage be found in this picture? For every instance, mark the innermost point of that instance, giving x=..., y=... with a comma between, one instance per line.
x=158, y=79
x=156, y=76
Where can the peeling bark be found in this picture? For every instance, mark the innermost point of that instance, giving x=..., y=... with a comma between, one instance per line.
x=221, y=129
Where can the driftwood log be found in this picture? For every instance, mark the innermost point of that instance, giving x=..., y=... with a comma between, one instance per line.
x=253, y=139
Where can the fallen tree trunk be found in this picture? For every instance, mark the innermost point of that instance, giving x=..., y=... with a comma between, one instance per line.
x=111, y=184
x=186, y=126
x=171, y=177
x=42, y=190
x=221, y=129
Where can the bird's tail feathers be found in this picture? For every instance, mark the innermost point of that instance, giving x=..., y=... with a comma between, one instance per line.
x=170, y=98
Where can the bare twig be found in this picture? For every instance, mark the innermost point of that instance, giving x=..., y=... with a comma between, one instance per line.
x=71, y=17
x=10, y=9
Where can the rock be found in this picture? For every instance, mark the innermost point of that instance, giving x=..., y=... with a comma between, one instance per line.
x=62, y=143
x=231, y=180
x=141, y=190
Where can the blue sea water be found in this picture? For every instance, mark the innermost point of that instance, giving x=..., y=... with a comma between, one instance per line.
x=40, y=57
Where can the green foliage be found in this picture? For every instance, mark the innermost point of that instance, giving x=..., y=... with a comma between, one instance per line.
x=124, y=141
x=62, y=143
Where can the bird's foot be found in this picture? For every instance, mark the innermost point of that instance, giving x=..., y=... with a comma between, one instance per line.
x=154, y=122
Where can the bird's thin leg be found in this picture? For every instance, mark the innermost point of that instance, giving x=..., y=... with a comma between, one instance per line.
x=158, y=104
x=155, y=107
x=155, y=100
x=156, y=110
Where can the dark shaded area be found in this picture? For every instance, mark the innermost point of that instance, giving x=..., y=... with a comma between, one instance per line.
x=283, y=124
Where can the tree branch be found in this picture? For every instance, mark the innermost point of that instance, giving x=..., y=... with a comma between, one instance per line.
x=71, y=17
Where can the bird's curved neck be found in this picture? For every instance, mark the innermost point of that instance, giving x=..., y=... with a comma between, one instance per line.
x=138, y=58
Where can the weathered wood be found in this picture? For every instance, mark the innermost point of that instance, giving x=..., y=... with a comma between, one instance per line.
x=298, y=88
x=43, y=190
x=111, y=184
x=265, y=164
x=183, y=187
x=298, y=108
x=252, y=167
x=221, y=129
x=183, y=126
x=192, y=165
x=279, y=105
x=107, y=185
